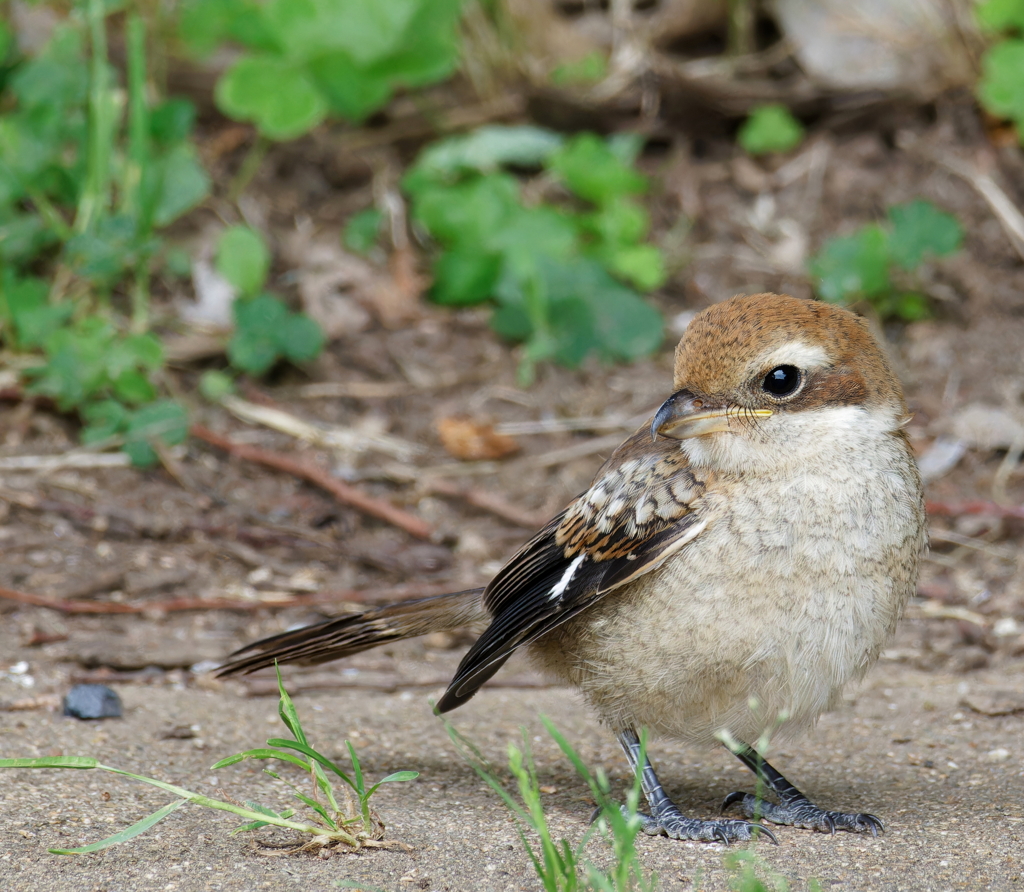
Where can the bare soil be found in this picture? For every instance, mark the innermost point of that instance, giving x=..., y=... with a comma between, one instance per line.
x=933, y=742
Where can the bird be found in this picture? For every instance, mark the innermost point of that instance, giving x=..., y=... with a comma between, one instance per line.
x=733, y=565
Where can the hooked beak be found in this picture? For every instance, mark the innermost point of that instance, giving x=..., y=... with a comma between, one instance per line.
x=684, y=415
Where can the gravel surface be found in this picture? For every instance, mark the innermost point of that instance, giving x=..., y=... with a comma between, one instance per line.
x=947, y=780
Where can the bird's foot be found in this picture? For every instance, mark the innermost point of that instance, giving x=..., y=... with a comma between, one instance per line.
x=801, y=812
x=670, y=822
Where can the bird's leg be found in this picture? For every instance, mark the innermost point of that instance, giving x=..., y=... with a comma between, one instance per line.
x=794, y=808
x=665, y=817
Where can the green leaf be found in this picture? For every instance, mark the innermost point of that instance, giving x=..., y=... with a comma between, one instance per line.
x=26, y=305
x=1000, y=87
x=114, y=246
x=243, y=259
x=104, y=419
x=427, y=51
x=1001, y=15
x=592, y=68
x=367, y=32
x=621, y=221
x=255, y=345
x=487, y=149
x=853, y=265
x=642, y=265
x=6, y=40
x=24, y=236
x=591, y=170
x=469, y=213
x=171, y=122
x=531, y=233
x=205, y=24
x=910, y=306
x=164, y=420
x=920, y=228
x=146, y=350
x=282, y=99
x=253, y=353
x=175, y=183
x=215, y=385
x=351, y=92
x=134, y=388
x=463, y=277
x=575, y=307
x=300, y=339
x=58, y=78
x=76, y=363
x=362, y=230
x=770, y=128
x=626, y=326
x=126, y=834
x=177, y=262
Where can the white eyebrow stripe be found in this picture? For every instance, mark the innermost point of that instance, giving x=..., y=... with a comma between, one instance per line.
x=798, y=353
x=563, y=583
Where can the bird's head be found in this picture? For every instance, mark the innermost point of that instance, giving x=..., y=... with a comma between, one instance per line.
x=761, y=381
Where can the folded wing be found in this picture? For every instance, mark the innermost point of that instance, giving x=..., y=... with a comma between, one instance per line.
x=642, y=506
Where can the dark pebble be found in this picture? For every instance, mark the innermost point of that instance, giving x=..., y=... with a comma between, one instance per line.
x=92, y=701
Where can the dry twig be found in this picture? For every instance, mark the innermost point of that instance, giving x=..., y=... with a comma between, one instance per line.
x=959, y=509
x=176, y=605
x=347, y=495
x=487, y=501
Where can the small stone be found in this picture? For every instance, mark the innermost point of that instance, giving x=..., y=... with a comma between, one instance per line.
x=92, y=701
x=1005, y=627
x=997, y=755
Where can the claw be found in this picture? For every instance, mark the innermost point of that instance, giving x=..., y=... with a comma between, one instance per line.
x=761, y=829
x=732, y=799
x=722, y=837
x=830, y=824
x=875, y=824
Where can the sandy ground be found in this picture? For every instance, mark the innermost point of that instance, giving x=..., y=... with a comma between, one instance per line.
x=947, y=780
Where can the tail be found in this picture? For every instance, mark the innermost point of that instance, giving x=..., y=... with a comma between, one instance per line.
x=355, y=632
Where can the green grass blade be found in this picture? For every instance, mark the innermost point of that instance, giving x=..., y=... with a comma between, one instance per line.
x=138, y=122
x=397, y=777
x=286, y=709
x=307, y=750
x=261, y=754
x=357, y=769
x=51, y=762
x=126, y=834
x=317, y=807
x=93, y=203
x=468, y=750
x=248, y=828
x=210, y=803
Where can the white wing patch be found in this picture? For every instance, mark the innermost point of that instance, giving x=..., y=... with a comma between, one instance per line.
x=559, y=587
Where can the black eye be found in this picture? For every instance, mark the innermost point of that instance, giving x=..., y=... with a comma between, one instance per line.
x=782, y=380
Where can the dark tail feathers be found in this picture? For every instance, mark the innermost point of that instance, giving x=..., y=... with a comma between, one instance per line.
x=361, y=631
